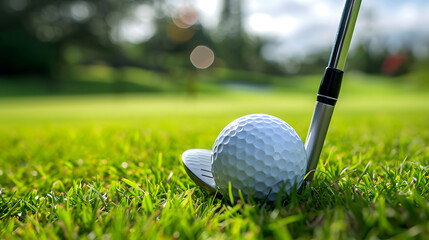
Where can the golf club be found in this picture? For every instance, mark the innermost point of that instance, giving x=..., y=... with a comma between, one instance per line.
x=330, y=86
x=198, y=162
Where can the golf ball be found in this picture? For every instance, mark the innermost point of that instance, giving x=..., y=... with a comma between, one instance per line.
x=261, y=155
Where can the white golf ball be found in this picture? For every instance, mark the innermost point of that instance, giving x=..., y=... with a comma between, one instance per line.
x=259, y=154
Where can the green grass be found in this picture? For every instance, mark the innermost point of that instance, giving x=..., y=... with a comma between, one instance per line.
x=100, y=167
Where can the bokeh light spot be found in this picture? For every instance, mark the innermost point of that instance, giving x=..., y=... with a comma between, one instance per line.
x=177, y=34
x=185, y=18
x=80, y=11
x=202, y=57
x=18, y=5
x=124, y=165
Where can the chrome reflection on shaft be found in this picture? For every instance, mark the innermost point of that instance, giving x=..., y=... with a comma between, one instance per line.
x=344, y=34
x=316, y=135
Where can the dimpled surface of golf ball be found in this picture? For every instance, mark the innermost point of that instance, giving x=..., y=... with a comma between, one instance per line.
x=261, y=155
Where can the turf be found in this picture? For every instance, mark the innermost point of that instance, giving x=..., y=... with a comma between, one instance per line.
x=108, y=167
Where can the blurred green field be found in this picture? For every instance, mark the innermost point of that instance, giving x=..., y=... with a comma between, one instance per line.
x=108, y=166
x=101, y=79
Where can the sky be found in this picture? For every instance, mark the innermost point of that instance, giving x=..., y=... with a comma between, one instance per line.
x=296, y=28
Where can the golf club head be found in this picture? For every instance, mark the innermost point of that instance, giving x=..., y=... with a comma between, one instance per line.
x=198, y=165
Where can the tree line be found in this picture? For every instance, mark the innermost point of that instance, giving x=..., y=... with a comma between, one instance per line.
x=45, y=37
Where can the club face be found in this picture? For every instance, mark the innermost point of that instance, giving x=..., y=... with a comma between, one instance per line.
x=198, y=165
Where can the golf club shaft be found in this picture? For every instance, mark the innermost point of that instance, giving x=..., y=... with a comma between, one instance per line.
x=344, y=35
x=330, y=87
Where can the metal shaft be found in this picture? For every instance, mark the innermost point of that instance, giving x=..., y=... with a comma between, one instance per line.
x=316, y=135
x=330, y=87
x=344, y=35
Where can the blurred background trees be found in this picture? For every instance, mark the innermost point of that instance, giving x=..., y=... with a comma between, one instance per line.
x=144, y=45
